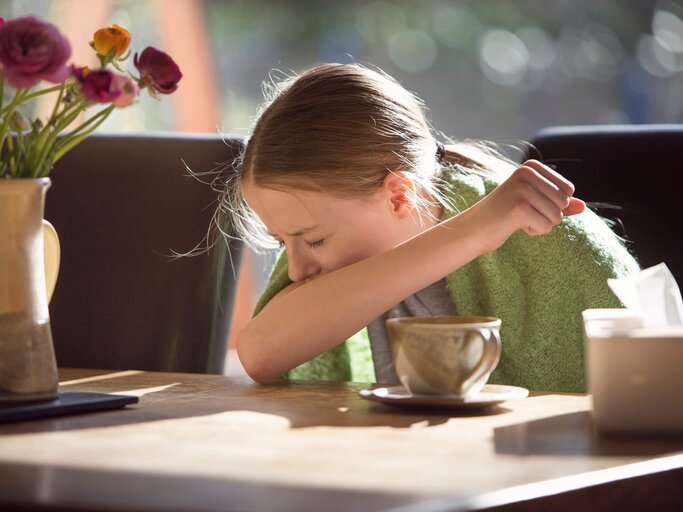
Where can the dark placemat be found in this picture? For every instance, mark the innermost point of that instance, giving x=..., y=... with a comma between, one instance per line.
x=67, y=403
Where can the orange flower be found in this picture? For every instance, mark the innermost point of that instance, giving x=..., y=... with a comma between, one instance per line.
x=109, y=39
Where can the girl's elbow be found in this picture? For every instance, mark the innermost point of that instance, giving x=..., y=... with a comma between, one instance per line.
x=254, y=364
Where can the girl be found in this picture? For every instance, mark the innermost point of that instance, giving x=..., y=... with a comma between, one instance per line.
x=377, y=219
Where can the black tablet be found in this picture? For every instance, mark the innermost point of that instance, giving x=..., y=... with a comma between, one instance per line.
x=66, y=403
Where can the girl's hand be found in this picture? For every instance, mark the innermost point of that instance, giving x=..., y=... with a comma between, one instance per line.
x=534, y=199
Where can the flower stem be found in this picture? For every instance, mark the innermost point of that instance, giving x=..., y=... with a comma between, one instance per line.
x=59, y=100
x=27, y=97
x=40, y=148
x=49, y=134
x=12, y=161
x=80, y=133
x=19, y=96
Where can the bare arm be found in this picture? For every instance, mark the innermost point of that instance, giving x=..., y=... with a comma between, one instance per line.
x=305, y=320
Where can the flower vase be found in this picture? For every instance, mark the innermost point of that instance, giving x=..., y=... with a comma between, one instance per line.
x=28, y=369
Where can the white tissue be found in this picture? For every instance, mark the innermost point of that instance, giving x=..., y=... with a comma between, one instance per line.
x=653, y=295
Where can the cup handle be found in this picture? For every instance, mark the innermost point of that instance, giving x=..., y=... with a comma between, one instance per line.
x=52, y=254
x=489, y=357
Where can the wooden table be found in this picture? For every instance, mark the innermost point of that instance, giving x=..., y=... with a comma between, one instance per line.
x=197, y=442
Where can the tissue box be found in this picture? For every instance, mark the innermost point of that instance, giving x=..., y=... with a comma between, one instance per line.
x=635, y=375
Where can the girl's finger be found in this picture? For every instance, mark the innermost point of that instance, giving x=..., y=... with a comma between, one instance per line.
x=544, y=205
x=537, y=223
x=544, y=185
x=555, y=178
x=576, y=205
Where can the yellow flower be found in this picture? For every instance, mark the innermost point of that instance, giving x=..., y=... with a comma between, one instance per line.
x=109, y=39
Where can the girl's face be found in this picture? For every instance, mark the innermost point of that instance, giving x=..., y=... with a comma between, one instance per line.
x=322, y=233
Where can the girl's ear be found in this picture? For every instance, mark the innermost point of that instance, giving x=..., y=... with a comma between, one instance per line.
x=400, y=190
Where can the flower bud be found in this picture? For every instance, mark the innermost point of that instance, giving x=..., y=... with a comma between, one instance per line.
x=157, y=70
x=111, y=39
x=129, y=91
x=18, y=122
x=99, y=85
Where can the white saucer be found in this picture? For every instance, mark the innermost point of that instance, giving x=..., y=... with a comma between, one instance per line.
x=490, y=395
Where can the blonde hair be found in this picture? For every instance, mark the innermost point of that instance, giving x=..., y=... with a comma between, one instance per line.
x=340, y=129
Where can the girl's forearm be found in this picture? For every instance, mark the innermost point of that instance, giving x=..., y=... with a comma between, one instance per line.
x=315, y=317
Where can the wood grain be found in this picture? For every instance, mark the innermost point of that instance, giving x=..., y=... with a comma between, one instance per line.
x=215, y=443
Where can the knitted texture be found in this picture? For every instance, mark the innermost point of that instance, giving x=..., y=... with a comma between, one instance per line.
x=538, y=286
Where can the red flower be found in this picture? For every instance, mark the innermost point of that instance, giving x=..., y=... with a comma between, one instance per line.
x=32, y=50
x=157, y=70
x=100, y=85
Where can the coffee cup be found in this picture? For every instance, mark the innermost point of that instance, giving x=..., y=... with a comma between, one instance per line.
x=444, y=355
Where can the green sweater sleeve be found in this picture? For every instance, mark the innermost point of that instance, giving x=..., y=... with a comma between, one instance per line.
x=351, y=360
x=538, y=286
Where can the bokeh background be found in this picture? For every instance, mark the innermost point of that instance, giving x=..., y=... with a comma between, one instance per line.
x=486, y=69
x=494, y=69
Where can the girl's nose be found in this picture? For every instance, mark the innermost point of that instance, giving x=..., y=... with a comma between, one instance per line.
x=300, y=267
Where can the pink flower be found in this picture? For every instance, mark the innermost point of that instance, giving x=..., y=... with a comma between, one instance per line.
x=32, y=50
x=157, y=70
x=99, y=85
x=129, y=91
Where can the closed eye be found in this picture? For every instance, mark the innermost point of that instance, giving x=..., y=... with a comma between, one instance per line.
x=316, y=244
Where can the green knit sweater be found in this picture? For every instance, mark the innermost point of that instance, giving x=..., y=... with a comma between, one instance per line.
x=537, y=285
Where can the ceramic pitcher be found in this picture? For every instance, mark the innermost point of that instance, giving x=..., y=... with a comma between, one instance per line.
x=29, y=260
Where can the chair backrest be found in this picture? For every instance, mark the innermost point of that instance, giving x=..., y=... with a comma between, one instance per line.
x=637, y=169
x=122, y=204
